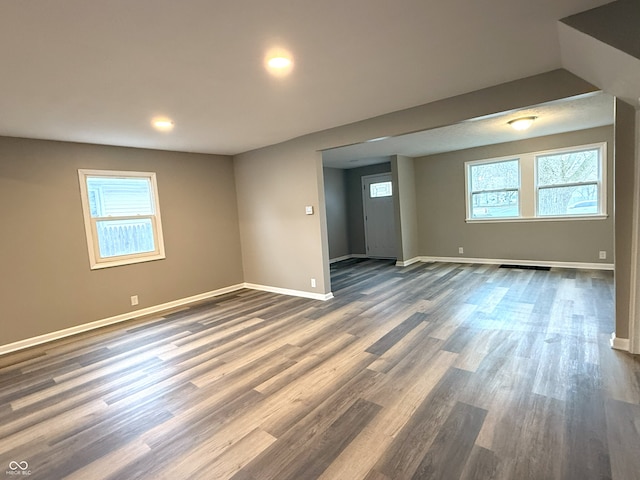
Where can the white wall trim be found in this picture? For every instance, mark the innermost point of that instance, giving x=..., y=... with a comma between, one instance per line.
x=347, y=257
x=49, y=337
x=67, y=332
x=286, y=291
x=540, y=263
x=619, y=343
x=487, y=261
x=406, y=263
x=340, y=259
x=602, y=216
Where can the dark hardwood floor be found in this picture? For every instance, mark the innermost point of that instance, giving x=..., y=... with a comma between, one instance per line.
x=433, y=371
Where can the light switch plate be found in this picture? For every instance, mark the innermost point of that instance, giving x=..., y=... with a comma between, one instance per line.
x=308, y=210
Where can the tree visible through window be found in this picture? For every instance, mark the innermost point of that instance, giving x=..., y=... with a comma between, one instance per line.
x=568, y=183
x=495, y=189
x=563, y=183
x=122, y=217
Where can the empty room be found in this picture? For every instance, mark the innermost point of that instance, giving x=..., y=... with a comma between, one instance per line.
x=320, y=240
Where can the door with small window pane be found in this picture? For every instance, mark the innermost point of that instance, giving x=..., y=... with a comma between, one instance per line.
x=379, y=222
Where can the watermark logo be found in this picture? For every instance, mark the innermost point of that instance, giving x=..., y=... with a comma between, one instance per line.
x=18, y=468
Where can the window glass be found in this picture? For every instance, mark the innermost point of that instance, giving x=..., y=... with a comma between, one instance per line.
x=117, y=197
x=122, y=218
x=495, y=176
x=495, y=189
x=125, y=237
x=569, y=167
x=381, y=189
x=569, y=183
x=575, y=200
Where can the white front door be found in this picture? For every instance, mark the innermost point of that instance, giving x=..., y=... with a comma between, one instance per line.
x=379, y=224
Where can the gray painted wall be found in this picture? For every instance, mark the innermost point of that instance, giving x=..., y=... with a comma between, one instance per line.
x=625, y=134
x=615, y=24
x=440, y=187
x=345, y=218
x=406, y=207
x=47, y=283
x=204, y=227
x=335, y=192
x=283, y=248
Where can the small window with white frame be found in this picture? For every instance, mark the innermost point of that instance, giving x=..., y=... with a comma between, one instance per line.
x=122, y=217
x=570, y=182
x=493, y=189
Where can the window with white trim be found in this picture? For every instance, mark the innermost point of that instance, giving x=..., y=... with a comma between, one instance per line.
x=566, y=183
x=494, y=189
x=569, y=182
x=122, y=217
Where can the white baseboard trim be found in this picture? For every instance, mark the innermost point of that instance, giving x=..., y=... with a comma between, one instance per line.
x=340, y=259
x=406, y=263
x=67, y=332
x=619, y=343
x=286, y=291
x=347, y=257
x=540, y=263
x=85, y=327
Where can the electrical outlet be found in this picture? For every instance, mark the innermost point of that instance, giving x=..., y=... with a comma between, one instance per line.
x=603, y=254
x=460, y=250
x=313, y=283
x=134, y=299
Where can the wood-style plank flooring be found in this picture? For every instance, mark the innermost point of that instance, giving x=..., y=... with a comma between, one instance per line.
x=433, y=371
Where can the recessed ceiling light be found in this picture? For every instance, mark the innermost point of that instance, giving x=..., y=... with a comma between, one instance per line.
x=162, y=124
x=521, y=123
x=278, y=62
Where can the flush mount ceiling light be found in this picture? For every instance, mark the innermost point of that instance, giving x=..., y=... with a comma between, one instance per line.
x=162, y=124
x=278, y=62
x=521, y=123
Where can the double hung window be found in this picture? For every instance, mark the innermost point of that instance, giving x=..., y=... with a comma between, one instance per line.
x=122, y=217
x=558, y=184
x=569, y=183
x=494, y=189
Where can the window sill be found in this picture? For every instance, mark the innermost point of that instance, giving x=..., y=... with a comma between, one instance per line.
x=126, y=261
x=536, y=219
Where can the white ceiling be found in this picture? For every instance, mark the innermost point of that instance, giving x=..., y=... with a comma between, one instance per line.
x=92, y=71
x=586, y=111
